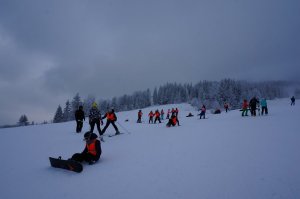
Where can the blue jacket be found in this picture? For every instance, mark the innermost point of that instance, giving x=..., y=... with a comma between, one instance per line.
x=263, y=102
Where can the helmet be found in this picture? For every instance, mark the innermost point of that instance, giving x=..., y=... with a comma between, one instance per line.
x=89, y=136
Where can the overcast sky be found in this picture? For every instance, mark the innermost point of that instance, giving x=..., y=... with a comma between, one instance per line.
x=50, y=50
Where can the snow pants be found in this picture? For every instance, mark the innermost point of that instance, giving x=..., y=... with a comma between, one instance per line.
x=79, y=125
x=264, y=109
x=87, y=157
x=107, y=124
x=92, y=124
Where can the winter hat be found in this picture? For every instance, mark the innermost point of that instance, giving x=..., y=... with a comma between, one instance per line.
x=94, y=105
x=90, y=136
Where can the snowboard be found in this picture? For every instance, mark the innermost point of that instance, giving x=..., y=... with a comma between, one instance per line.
x=70, y=165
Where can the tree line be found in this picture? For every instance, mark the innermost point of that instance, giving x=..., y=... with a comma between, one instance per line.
x=213, y=94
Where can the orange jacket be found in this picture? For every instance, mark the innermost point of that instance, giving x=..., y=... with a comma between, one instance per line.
x=91, y=147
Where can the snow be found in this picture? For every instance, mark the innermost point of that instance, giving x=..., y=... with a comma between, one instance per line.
x=225, y=156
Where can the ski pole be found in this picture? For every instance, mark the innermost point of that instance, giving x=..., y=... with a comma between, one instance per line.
x=123, y=127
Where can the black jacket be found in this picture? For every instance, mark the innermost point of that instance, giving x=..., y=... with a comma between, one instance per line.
x=79, y=115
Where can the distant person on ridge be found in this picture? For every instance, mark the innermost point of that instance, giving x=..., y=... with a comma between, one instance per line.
x=226, y=106
x=95, y=118
x=79, y=117
x=111, y=118
x=140, y=114
x=264, y=107
x=293, y=101
x=157, y=116
x=203, y=111
x=245, y=108
x=168, y=114
x=151, y=114
x=253, y=102
x=162, y=114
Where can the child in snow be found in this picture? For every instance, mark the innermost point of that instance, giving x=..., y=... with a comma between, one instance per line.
x=203, y=111
x=157, y=117
x=92, y=150
x=151, y=114
x=245, y=108
x=264, y=107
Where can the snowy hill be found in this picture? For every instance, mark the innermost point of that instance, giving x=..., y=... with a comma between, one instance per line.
x=225, y=156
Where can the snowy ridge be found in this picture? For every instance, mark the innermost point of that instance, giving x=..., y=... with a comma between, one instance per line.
x=225, y=156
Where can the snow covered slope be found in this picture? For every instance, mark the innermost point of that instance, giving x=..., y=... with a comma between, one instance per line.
x=225, y=156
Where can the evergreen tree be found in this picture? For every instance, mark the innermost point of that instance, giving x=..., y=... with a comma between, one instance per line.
x=23, y=121
x=76, y=102
x=155, y=97
x=58, y=117
x=67, y=112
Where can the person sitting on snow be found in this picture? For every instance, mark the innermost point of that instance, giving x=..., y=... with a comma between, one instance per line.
x=173, y=121
x=92, y=150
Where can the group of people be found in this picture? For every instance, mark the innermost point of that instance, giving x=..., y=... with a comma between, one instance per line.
x=253, y=105
x=92, y=150
x=159, y=115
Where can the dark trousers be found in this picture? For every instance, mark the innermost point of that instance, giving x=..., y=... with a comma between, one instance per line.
x=157, y=118
x=92, y=124
x=264, y=109
x=107, y=124
x=79, y=125
x=253, y=111
x=245, y=112
x=202, y=114
x=170, y=123
x=139, y=120
x=151, y=120
x=80, y=157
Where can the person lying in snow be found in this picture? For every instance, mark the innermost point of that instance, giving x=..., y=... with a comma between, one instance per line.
x=92, y=150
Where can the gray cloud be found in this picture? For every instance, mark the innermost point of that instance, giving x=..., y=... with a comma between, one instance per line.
x=49, y=50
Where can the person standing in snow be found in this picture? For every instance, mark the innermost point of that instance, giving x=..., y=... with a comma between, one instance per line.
x=253, y=102
x=245, y=108
x=293, y=101
x=95, y=118
x=162, y=114
x=157, y=116
x=264, y=107
x=226, y=106
x=140, y=114
x=168, y=114
x=111, y=118
x=203, y=111
x=151, y=114
x=79, y=117
x=92, y=150
x=176, y=112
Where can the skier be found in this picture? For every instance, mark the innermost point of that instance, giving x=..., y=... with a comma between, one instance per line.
x=151, y=114
x=203, y=111
x=264, y=107
x=140, y=114
x=245, y=108
x=79, y=117
x=162, y=114
x=95, y=118
x=168, y=114
x=173, y=121
x=252, y=105
x=92, y=150
x=293, y=101
x=226, y=106
x=157, y=116
x=111, y=118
